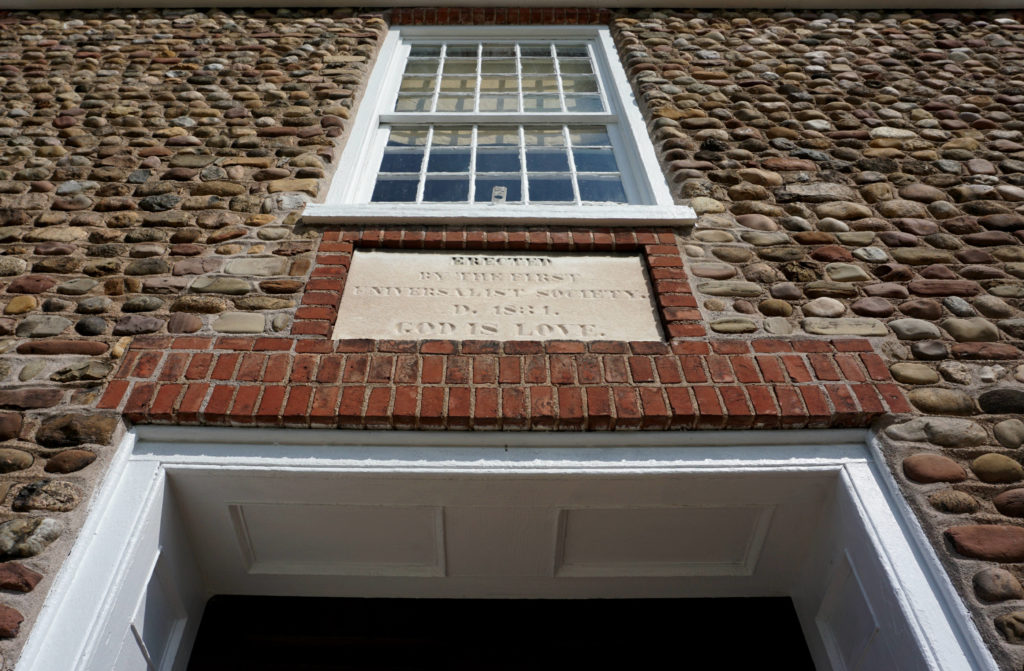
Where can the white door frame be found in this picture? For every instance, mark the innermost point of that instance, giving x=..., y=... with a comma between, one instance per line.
x=122, y=559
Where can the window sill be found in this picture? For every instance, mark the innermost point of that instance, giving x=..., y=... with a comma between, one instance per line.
x=674, y=216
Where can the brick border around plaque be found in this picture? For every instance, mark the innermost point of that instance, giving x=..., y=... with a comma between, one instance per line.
x=692, y=382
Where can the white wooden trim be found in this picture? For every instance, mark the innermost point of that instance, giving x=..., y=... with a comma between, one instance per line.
x=824, y=5
x=66, y=636
x=677, y=216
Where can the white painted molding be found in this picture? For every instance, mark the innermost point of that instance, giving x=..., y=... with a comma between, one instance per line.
x=823, y=5
x=385, y=214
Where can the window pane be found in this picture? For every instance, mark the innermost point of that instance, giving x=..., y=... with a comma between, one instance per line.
x=448, y=160
x=541, y=103
x=601, y=189
x=544, y=137
x=572, y=50
x=498, y=51
x=418, y=50
x=458, y=84
x=499, y=103
x=538, y=65
x=540, y=84
x=583, y=103
x=460, y=66
x=498, y=161
x=499, y=136
x=402, y=161
x=417, y=85
x=575, y=66
x=422, y=67
x=454, y=103
x=493, y=84
x=534, y=50
x=557, y=189
x=546, y=160
x=461, y=51
x=412, y=103
x=446, y=189
x=499, y=66
x=453, y=136
x=595, y=160
x=394, y=190
x=579, y=84
x=485, y=189
x=589, y=135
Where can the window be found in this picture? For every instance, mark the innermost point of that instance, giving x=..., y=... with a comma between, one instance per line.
x=481, y=124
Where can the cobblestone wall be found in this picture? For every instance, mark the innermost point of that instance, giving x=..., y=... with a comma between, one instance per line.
x=860, y=184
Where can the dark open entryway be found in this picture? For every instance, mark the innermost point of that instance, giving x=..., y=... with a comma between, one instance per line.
x=311, y=634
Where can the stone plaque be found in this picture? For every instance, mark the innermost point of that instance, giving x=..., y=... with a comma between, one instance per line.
x=452, y=295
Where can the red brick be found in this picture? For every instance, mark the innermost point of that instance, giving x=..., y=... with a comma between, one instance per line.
x=439, y=347
x=378, y=414
x=693, y=368
x=766, y=413
x=681, y=402
x=251, y=367
x=314, y=346
x=849, y=364
x=894, y=398
x=615, y=370
x=269, y=410
x=398, y=346
x=565, y=347
x=166, y=402
x=303, y=368
x=277, y=369
x=224, y=369
x=432, y=369
x=139, y=400
x=350, y=410
x=744, y=369
x=407, y=369
x=296, y=408
x=485, y=369
x=481, y=347
x=217, y=406
x=588, y=367
x=192, y=402
x=868, y=398
x=113, y=395
x=432, y=408
x=791, y=406
x=686, y=331
x=199, y=366
x=406, y=401
x=737, y=409
x=875, y=366
x=721, y=371
x=818, y=411
x=570, y=408
x=355, y=368
x=771, y=368
x=796, y=368
x=535, y=369
x=599, y=409
x=147, y=364
x=353, y=345
x=459, y=402
x=627, y=407
x=772, y=346
x=152, y=342
x=127, y=363
x=641, y=369
x=485, y=408
x=381, y=368
x=192, y=342
x=608, y=347
x=241, y=344
x=311, y=328
x=730, y=347
x=648, y=347
x=513, y=408
x=655, y=413
x=323, y=408
x=691, y=347
x=852, y=345
x=458, y=370
x=668, y=369
x=245, y=403
x=509, y=370
x=174, y=366
x=542, y=407
x=523, y=347
x=710, y=414
x=328, y=370
x=824, y=367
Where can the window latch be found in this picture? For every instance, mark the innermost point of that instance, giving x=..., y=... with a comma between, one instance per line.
x=498, y=195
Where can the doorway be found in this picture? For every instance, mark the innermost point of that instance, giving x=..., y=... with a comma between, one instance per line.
x=806, y=516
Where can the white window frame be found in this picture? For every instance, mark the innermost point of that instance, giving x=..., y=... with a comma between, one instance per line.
x=651, y=201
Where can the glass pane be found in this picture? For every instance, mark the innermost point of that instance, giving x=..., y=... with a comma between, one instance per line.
x=417, y=84
x=499, y=66
x=418, y=50
x=540, y=84
x=595, y=160
x=572, y=50
x=423, y=67
x=402, y=161
x=492, y=84
x=407, y=137
x=452, y=103
x=396, y=190
x=583, y=103
x=453, y=136
x=448, y=160
x=544, y=137
x=579, y=84
x=458, y=84
x=412, y=103
x=498, y=51
x=589, y=135
x=575, y=66
x=538, y=65
x=601, y=189
x=498, y=160
x=461, y=51
x=499, y=103
x=551, y=189
x=546, y=160
x=534, y=50
x=541, y=103
x=460, y=66
x=446, y=190
x=485, y=189
x=500, y=136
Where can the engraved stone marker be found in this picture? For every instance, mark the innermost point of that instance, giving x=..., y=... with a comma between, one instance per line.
x=452, y=295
